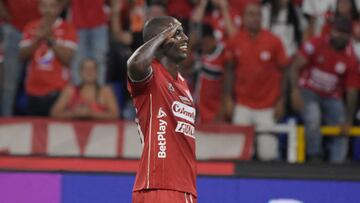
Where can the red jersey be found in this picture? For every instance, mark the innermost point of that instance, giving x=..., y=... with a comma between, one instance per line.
x=258, y=72
x=210, y=84
x=166, y=117
x=328, y=71
x=77, y=100
x=240, y=5
x=46, y=73
x=179, y=8
x=22, y=12
x=217, y=22
x=87, y=15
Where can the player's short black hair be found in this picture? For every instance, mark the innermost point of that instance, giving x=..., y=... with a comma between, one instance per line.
x=156, y=25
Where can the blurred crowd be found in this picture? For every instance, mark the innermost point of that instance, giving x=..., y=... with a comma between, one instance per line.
x=251, y=62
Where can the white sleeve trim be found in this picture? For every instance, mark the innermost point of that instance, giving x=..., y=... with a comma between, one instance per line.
x=146, y=78
x=67, y=43
x=25, y=43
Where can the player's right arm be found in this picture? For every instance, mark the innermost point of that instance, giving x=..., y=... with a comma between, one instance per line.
x=138, y=65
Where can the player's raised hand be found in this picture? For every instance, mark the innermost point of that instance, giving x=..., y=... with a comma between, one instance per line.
x=169, y=32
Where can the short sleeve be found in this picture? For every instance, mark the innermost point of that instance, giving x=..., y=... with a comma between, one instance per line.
x=69, y=39
x=137, y=87
x=28, y=35
x=308, y=49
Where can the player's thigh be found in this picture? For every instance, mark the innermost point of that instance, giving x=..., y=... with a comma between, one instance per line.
x=162, y=196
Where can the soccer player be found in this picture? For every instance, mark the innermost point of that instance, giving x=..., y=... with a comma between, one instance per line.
x=165, y=115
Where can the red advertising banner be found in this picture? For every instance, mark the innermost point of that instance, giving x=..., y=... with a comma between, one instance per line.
x=117, y=139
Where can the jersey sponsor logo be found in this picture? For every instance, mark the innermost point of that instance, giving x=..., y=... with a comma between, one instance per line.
x=322, y=80
x=161, y=139
x=183, y=111
x=45, y=60
x=161, y=113
x=185, y=129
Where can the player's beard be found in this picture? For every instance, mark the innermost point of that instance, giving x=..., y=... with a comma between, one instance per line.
x=339, y=43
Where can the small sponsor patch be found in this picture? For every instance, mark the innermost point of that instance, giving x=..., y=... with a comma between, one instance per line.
x=185, y=128
x=183, y=111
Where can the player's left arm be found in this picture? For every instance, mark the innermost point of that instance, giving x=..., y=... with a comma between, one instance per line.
x=138, y=65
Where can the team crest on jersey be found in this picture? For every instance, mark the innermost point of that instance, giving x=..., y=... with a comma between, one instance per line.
x=340, y=67
x=171, y=87
x=265, y=55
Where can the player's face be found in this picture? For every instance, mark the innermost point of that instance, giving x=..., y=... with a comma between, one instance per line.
x=49, y=8
x=177, y=48
x=88, y=72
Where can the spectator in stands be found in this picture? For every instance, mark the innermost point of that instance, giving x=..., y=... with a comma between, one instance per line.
x=217, y=13
x=137, y=20
x=181, y=10
x=283, y=19
x=15, y=14
x=345, y=8
x=317, y=14
x=92, y=29
x=209, y=86
x=259, y=60
x=155, y=9
x=1, y=62
x=324, y=68
x=89, y=100
x=356, y=39
x=239, y=5
x=49, y=45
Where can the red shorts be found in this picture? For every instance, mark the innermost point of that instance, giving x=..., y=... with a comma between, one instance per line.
x=162, y=196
